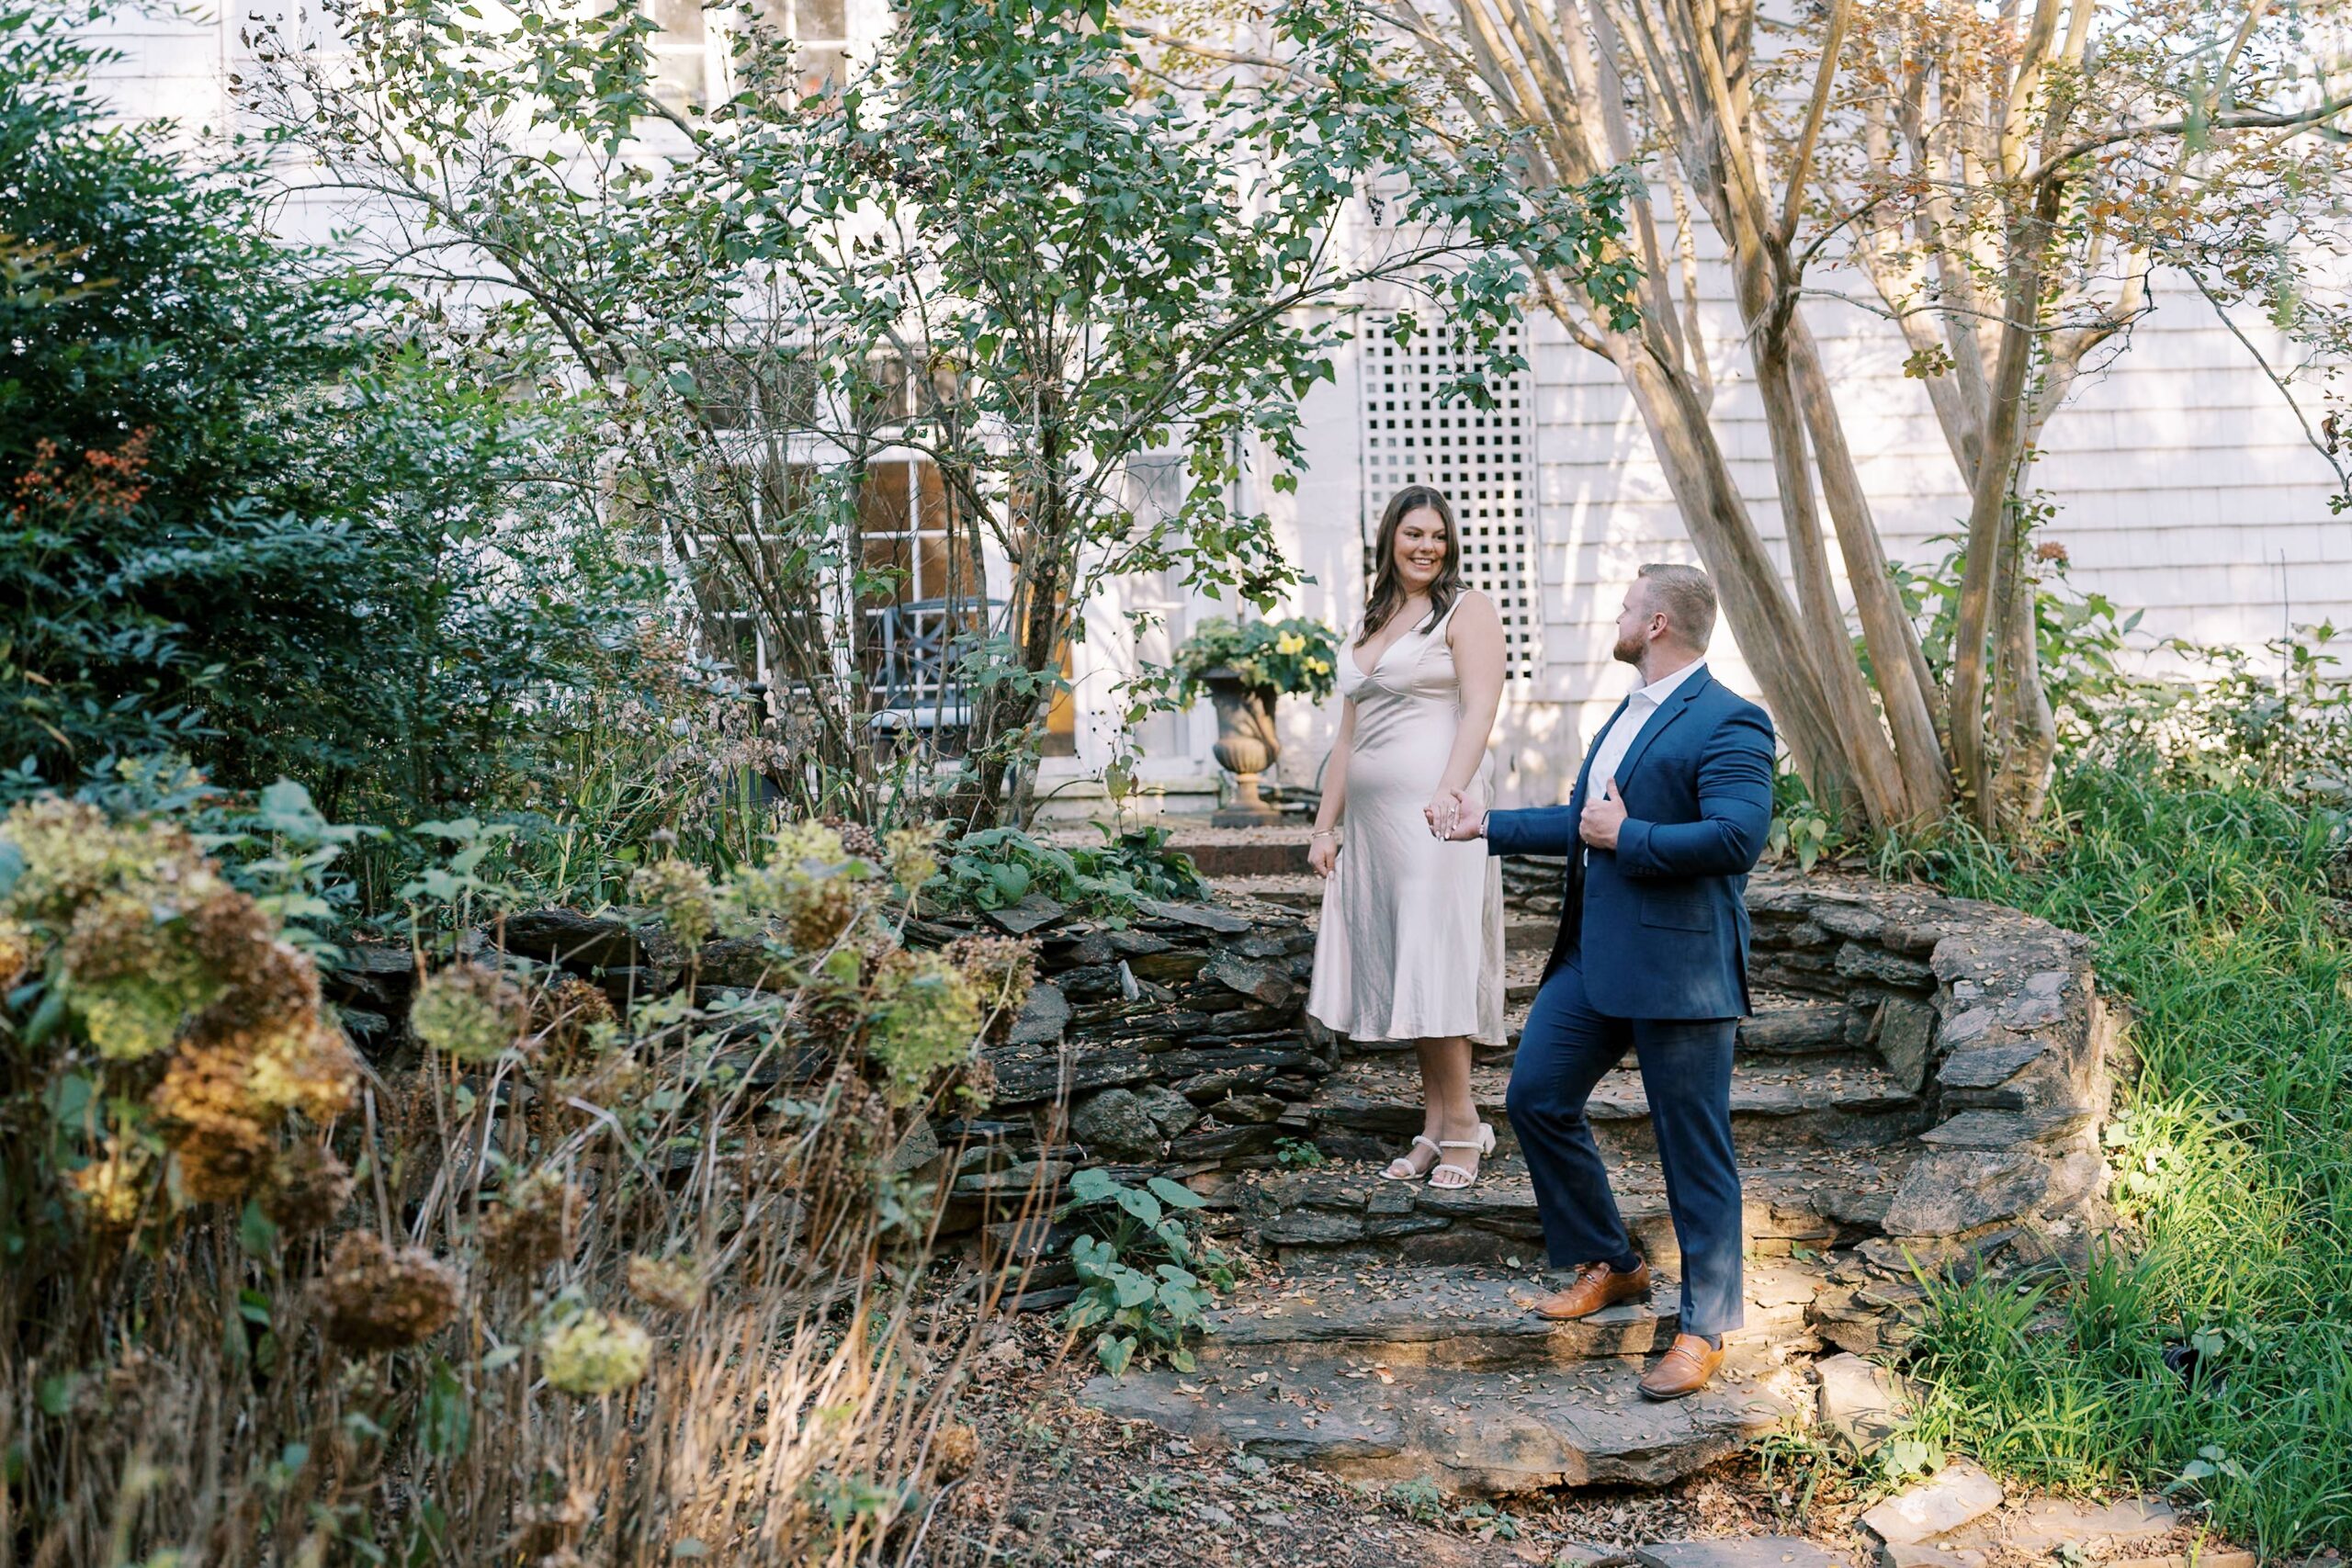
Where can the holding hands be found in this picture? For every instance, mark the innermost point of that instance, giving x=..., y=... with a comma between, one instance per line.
x=1451, y=818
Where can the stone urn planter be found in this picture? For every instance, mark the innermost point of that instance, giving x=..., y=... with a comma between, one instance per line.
x=1245, y=747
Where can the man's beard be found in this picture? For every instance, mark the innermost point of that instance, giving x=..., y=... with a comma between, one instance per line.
x=1628, y=650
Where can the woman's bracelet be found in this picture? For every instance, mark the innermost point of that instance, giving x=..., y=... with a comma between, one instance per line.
x=1323, y=833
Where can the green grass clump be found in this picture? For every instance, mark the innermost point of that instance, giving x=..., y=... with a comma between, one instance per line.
x=2211, y=911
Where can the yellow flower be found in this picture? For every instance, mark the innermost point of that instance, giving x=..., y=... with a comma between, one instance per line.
x=1290, y=642
x=1318, y=667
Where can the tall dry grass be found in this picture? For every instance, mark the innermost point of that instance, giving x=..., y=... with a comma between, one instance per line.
x=570, y=1285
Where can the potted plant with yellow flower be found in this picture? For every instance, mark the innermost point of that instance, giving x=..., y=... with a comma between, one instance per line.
x=1244, y=669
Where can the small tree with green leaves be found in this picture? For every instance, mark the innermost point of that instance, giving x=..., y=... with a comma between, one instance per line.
x=1013, y=248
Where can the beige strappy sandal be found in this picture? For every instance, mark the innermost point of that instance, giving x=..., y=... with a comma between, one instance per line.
x=1484, y=1143
x=1421, y=1140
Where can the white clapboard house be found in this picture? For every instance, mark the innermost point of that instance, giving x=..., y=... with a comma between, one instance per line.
x=2184, y=485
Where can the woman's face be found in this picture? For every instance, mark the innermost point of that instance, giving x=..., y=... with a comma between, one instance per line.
x=1419, y=548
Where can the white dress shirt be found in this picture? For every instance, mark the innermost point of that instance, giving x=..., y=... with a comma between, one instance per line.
x=1617, y=738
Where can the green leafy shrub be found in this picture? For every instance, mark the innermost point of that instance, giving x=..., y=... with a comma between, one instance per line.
x=1143, y=1310
x=236, y=520
x=997, y=867
x=1289, y=655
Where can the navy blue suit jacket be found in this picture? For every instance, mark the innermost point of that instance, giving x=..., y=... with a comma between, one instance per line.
x=1662, y=921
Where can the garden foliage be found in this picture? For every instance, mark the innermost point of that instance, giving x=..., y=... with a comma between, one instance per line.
x=2205, y=846
x=1013, y=248
x=508, y=1295
x=241, y=517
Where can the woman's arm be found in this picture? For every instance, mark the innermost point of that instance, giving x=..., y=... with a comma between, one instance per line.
x=1323, y=849
x=1475, y=635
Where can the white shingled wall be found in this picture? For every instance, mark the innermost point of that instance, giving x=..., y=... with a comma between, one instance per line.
x=2181, y=477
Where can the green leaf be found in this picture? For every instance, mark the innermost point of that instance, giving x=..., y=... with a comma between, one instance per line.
x=1139, y=1203
x=446, y=1417
x=255, y=1233
x=56, y=1393
x=1175, y=1194
x=1091, y=1186
x=1116, y=1353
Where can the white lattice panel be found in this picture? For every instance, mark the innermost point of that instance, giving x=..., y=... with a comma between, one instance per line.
x=1477, y=457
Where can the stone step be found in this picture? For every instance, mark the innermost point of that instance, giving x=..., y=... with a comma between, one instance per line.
x=1784, y=1026
x=1488, y=1432
x=1303, y=891
x=1794, y=1202
x=1367, y=1108
x=1470, y=1316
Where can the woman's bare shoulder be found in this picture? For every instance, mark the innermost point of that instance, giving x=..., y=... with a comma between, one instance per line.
x=1476, y=608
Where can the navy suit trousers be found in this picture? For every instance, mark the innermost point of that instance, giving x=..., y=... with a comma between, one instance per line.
x=1686, y=1072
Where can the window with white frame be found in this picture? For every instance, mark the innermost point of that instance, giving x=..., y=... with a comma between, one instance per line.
x=692, y=45
x=820, y=28
x=1478, y=457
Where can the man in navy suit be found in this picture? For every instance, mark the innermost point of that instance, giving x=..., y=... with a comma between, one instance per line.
x=1669, y=813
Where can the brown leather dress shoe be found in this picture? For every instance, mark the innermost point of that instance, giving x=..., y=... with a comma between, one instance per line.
x=1597, y=1285
x=1683, y=1370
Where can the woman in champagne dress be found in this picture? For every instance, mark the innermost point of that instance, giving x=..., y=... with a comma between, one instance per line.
x=1411, y=941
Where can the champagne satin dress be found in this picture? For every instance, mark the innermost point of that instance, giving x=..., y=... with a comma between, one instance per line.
x=1411, y=941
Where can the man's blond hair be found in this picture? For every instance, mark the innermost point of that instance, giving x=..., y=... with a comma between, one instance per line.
x=1685, y=597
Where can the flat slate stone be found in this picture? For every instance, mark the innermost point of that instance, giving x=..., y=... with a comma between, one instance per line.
x=2044, y=1524
x=1487, y=1433
x=1464, y=1315
x=1033, y=913
x=1862, y=1402
x=1199, y=916
x=1952, y=1191
x=1739, y=1551
x=1990, y=1067
x=1044, y=1017
x=1953, y=1496
x=1793, y=1028
x=2002, y=1129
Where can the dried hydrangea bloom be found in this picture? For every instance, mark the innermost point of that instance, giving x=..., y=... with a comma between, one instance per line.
x=925, y=1015
x=571, y=1015
x=217, y=1133
x=680, y=895
x=308, y=1187
x=267, y=977
x=857, y=840
x=673, y=1284
x=112, y=1187
x=72, y=854
x=912, y=856
x=303, y=1065
x=133, y=976
x=372, y=1298
x=17, y=949
x=1002, y=969
x=470, y=1011
x=809, y=884
x=955, y=1449
x=596, y=1353
x=535, y=1223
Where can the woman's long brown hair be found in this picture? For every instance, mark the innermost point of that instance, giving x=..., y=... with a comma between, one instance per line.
x=1388, y=594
